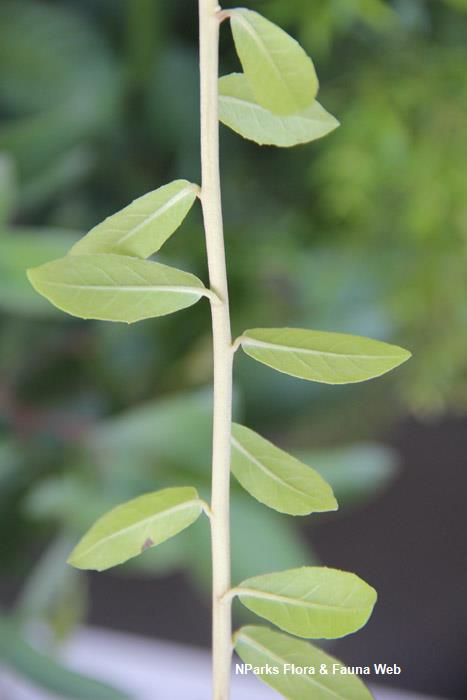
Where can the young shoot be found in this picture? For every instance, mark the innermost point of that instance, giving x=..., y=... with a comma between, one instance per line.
x=107, y=276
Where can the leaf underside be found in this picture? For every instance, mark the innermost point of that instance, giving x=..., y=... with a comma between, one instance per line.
x=331, y=358
x=312, y=602
x=260, y=646
x=239, y=110
x=110, y=287
x=275, y=478
x=280, y=74
x=141, y=228
x=131, y=528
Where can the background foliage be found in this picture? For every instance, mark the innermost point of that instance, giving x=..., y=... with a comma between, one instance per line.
x=364, y=232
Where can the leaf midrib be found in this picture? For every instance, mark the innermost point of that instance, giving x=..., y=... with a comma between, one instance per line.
x=254, y=105
x=266, y=469
x=246, y=340
x=144, y=521
x=260, y=43
x=264, y=650
x=152, y=217
x=299, y=602
x=130, y=288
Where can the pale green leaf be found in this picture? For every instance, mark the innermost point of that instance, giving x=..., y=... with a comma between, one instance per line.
x=239, y=110
x=262, y=647
x=141, y=228
x=276, y=478
x=312, y=601
x=131, y=528
x=280, y=74
x=110, y=287
x=318, y=356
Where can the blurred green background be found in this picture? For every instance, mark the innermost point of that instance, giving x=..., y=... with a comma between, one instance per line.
x=362, y=232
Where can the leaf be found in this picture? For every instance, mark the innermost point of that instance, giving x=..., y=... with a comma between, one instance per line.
x=275, y=478
x=22, y=249
x=260, y=646
x=318, y=356
x=280, y=74
x=133, y=527
x=168, y=558
x=141, y=228
x=239, y=110
x=110, y=287
x=312, y=601
x=357, y=472
x=19, y=655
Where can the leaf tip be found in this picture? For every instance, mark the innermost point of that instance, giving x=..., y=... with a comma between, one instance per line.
x=73, y=561
x=403, y=355
x=30, y=274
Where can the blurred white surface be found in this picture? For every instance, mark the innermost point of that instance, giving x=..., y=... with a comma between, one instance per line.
x=152, y=670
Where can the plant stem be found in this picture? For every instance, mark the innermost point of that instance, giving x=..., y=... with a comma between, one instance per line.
x=222, y=346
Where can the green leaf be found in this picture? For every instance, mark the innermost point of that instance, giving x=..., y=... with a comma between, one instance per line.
x=314, y=602
x=280, y=74
x=110, y=287
x=275, y=478
x=239, y=110
x=41, y=669
x=141, y=228
x=132, y=527
x=260, y=646
x=318, y=356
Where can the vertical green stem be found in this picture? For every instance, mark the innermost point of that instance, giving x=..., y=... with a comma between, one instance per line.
x=222, y=344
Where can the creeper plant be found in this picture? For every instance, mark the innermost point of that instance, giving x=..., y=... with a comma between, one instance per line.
x=107, y=276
